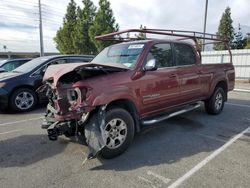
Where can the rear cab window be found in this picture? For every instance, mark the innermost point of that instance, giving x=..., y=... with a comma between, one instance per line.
x=184, y=54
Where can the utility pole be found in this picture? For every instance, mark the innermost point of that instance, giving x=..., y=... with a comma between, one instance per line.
x=41, y=29
x=205, y=25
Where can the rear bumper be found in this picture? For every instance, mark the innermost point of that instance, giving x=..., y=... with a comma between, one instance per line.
x=4, y=98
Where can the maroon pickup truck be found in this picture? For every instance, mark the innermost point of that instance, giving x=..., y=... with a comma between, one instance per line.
x=131, y=85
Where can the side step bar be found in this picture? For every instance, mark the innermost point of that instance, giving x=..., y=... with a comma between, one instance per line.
x=164, y=117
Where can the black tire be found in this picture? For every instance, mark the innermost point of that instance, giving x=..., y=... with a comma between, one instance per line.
x=31, y=100
x=215, y=104
x=119, y=113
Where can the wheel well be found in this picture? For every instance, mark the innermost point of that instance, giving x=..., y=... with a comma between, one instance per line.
x=223, y=85
x=130, y=107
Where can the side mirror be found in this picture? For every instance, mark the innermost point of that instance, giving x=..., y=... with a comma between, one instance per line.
x=150, y=65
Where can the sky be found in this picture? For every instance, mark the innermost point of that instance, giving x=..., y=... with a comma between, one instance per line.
x=19, y=26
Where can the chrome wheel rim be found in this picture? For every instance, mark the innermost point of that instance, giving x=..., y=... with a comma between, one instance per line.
x=115, y=132
x=218, y=101
x=24, y=100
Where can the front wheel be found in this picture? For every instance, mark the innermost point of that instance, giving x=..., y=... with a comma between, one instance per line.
x=23, y=100
x=118, y=132
x=215, y=104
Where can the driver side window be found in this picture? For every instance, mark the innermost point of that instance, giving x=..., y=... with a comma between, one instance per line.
x=162, y=53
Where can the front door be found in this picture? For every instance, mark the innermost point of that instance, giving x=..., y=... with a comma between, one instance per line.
x=160, y=88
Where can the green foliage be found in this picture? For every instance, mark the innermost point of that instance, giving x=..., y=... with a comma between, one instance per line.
x=142, y=35
x=81, y=26
x=104, y=23
x=225, y=29
x=85, y=19
x=247, y=41
x=247, y=46
x=64, y=36
x=239, y=42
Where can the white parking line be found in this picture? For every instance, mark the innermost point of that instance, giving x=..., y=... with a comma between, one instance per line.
x=186, y=176
x=240, y=105
x=21, y=121
x=165, y=180
x=17, y=130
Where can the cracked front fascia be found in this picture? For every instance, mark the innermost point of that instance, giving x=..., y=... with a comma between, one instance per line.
x=65, y=109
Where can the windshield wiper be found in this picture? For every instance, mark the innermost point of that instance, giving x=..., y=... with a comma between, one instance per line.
x=124, y=55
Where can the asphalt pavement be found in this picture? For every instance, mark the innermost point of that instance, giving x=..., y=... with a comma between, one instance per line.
x=192, y=150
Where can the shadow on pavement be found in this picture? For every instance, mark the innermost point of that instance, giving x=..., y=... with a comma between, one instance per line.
x=175, y=139
x=28, y=149
x=169, y=142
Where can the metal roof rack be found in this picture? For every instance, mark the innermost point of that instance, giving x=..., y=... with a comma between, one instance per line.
x=183, y=35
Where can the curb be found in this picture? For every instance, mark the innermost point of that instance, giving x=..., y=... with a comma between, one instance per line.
x=243, y=90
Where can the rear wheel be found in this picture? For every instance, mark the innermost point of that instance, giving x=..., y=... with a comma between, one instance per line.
x=118, y=132
x=215, y=104
x=23, y=100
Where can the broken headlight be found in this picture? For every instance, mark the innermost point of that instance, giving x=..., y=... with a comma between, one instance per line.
x=73, y=94
x=77, y=94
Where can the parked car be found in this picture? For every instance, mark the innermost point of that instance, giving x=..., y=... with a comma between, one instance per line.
x=130, y=85
x=11, y=64
x=18, y=87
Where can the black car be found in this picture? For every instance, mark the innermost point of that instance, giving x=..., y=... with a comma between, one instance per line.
x=18, y=87
x=11, y=64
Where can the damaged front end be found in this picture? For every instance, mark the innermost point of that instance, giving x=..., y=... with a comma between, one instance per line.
x=70, y=111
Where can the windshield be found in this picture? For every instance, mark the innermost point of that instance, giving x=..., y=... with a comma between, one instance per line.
x=31, y=65
x=126, y=54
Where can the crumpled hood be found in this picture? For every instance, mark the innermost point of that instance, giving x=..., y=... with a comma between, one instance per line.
x=55, y=72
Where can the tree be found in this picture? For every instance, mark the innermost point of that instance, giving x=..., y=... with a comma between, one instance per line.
x=239, y=42
x=142, y=35
x=104, y=23
x=5, y=47
x=248, y=41
x=85, y=19
x=64, y=36
x=225, y=29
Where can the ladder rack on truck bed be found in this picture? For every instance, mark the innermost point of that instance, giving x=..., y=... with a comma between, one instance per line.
x=179, y=34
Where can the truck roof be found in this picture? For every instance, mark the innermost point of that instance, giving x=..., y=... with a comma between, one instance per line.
x=153, y=40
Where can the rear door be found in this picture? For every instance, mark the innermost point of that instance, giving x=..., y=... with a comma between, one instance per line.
x=188, y=72
x=160, y=88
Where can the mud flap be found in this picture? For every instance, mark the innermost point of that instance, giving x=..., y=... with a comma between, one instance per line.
x=94, y=131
